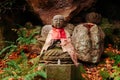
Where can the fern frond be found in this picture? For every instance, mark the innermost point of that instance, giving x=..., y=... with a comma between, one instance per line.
x=8, y=71
x=7, y=78
x=37, y=73
x=42, y=74
x=8, y=47
x=13, y=65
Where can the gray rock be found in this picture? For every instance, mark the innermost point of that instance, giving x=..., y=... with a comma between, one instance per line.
x=88, y=42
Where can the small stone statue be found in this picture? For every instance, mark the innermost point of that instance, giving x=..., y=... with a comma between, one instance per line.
x=59, y=37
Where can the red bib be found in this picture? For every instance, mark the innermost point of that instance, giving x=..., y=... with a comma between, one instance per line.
x=58, y=33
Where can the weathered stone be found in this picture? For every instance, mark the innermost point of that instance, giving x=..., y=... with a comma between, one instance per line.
x=63, y=72
x=57, y=37
x=88, y=39
x=45, y=30
x=46, y=9
x=52, y=56
x=69, y=27
x=93, y=17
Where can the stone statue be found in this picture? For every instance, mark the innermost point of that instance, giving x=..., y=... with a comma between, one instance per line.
x=61, y=38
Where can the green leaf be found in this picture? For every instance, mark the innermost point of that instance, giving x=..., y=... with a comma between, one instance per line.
x=82, y=70
x=8, y=47
x=104, y=74
x=7, y=78
x=117, y=78
x=42, y=74
x=13, y=64
x=33, y=41
x=8, y=71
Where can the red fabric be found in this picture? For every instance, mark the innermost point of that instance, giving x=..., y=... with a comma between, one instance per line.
x=58, y=33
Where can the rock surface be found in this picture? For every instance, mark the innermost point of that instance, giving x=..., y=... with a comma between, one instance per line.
x=63, y=72
x=88, y=42
x=46, y=9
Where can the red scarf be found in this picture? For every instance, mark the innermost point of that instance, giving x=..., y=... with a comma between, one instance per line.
x=58, y=33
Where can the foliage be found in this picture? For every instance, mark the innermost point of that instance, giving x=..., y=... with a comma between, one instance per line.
x=112, y=33
x=105, y=75
x=109, y=54
x=26, y=37
x=82, y=70
x=108, y=30
x=116, y=74
x=116, y=58
x=21, y=69
x=113, y=54
x=105, y=23
x=11, y=47
x=6, y=5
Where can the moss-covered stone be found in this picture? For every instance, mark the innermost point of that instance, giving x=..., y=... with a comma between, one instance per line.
x=63, y=72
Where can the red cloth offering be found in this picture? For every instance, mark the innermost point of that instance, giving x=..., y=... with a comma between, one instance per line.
x=58, y=33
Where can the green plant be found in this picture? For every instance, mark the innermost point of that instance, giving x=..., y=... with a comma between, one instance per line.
x=107, y=27
x=82, y=69
x=105, y=23
x=105, y=75
x=116, y=58
x=110, y=54
x=22, y=69
x=116, y=75
x=10, y=49
x=26, y=37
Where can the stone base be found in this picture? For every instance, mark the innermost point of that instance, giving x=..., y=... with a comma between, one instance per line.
x=63, y=72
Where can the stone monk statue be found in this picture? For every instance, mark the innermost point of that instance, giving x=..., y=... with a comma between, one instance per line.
x=60, y=39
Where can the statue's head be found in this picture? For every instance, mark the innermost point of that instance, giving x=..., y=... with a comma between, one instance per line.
x=58, y=21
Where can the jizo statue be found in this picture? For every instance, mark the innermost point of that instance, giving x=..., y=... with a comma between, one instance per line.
x=59, y=35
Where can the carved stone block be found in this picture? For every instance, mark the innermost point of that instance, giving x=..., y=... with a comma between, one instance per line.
x=63, y=72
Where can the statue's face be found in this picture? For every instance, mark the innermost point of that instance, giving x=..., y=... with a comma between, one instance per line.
x=58, y=21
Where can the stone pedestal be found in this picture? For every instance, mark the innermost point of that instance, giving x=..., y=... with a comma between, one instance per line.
x=63, y=72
